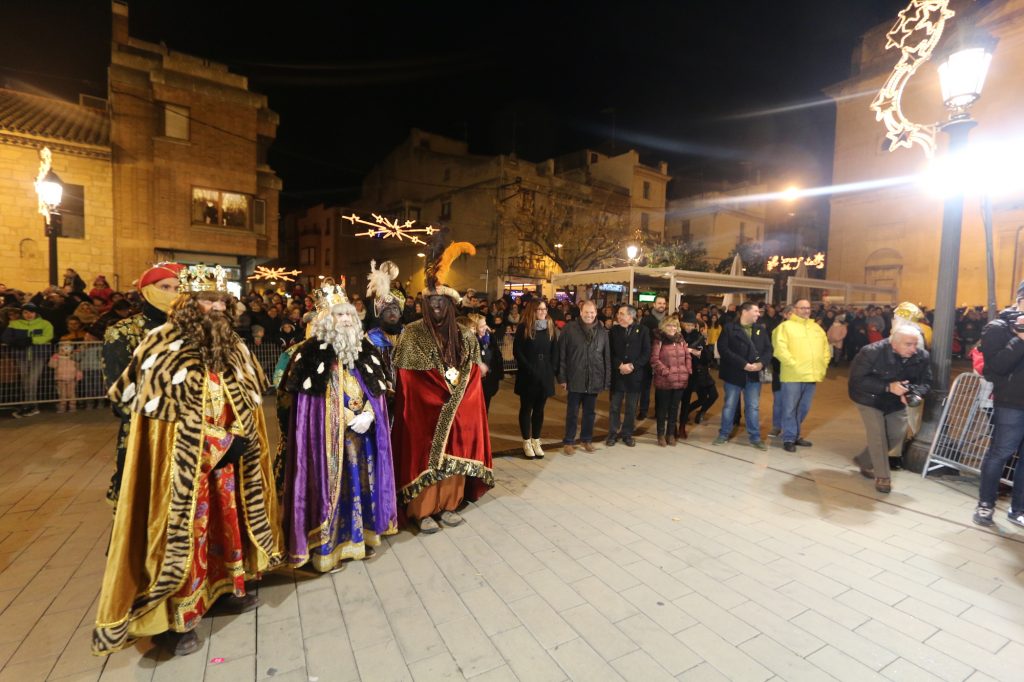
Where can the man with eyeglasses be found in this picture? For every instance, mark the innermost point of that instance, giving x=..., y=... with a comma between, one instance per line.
x=803, y=352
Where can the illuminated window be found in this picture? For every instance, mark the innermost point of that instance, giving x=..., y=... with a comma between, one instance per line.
x=222, y=209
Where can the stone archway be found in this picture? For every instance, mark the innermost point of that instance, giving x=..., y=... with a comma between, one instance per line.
x=884, y=268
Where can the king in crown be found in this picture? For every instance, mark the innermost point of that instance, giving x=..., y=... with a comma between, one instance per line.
x=339, y=484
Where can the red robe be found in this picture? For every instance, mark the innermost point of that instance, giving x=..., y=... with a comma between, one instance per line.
x=440, y=429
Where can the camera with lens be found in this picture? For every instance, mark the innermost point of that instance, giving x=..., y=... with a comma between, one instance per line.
x=915, y=394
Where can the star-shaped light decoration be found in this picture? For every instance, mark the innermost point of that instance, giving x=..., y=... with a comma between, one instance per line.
x=385, y=228
x=916, y=33
x=271, y=274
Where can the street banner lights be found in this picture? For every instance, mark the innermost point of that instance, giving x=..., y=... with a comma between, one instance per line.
x=49, y=189
x=916, y=33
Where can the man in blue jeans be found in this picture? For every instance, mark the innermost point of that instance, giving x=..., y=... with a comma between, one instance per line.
x=1002, y=344
x=803, y=353
x=744, y=349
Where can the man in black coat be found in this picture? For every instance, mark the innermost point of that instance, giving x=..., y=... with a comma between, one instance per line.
x=1003, y=347
x=881, y=376
x=658, y=313
x=745, y=348
x=630, y=353
x=584, y=369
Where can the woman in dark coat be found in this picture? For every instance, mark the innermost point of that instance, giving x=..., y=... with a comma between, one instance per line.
x=535, y=349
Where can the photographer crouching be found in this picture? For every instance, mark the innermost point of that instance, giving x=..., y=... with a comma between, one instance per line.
x=886, y=377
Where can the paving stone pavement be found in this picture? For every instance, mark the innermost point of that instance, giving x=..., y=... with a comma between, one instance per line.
x=646, y=563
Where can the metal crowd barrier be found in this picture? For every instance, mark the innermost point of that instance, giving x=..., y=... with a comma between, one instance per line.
x=27, y=377
x=965, y=429
x=267, y=354
x=508, y=358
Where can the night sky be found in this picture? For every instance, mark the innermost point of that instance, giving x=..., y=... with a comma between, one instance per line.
x=686, y=81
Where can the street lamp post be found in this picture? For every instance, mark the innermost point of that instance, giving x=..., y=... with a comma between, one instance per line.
x=962, y=76
x=50, y=189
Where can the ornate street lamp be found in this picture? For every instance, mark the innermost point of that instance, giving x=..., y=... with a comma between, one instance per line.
x=962, y=76
x=632, y=251
x=49, y=189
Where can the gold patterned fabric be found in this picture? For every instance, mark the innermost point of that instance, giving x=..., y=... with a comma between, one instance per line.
x=165, y=390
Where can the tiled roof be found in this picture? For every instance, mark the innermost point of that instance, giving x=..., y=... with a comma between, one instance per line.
x=52, y=118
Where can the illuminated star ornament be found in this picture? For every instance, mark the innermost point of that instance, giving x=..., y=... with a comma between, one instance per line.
x=916, y=33
x=262, y=272
x=385, y=228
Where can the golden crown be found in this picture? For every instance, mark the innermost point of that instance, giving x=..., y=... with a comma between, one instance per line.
x=202, y=278
x=329, y=295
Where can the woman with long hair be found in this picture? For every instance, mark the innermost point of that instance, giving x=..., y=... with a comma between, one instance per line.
x=535, y=350
x=671, y=365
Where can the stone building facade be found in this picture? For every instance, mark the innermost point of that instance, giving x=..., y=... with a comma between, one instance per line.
x=172, y=165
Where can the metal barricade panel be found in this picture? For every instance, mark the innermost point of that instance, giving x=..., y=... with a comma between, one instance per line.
x=508, y=357
x=41, y=374
x=964, y=433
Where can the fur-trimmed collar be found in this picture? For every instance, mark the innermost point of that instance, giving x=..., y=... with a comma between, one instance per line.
x=310, y=368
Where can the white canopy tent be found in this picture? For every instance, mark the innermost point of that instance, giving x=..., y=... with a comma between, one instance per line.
x=670, y=279
x=839, y=292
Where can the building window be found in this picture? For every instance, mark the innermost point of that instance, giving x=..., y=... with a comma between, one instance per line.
x=307, y=256
x=72, y=212
x=224, y=209
x=527, y=199
x=327, y=258
x=686, y=234
x=446, y=210
x=647, y=190
x=645, y=222
x=259, y=216
x=176, y=121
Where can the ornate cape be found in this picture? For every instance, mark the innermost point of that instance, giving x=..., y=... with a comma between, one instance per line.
x=152, y=539
x=440, y=428
x=325, y=511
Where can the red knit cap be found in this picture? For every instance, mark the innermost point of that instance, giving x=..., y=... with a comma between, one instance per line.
x=158, y=272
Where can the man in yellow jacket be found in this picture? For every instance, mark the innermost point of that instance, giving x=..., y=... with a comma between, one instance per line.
x=803, y=353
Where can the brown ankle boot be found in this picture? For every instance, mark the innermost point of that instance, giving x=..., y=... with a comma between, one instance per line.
x=661, y=441
x=671, y=440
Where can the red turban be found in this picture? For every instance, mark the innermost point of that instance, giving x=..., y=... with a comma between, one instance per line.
x=158, y=272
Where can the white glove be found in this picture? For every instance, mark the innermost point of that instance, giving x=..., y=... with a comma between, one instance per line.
x=362, y=422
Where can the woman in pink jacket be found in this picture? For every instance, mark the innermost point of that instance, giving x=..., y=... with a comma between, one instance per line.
x=671, y=364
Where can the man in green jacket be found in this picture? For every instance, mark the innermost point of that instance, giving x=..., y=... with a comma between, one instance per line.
x=30, y=337
x=803, y=352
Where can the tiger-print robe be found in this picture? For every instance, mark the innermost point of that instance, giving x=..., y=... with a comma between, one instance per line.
x=164, y=387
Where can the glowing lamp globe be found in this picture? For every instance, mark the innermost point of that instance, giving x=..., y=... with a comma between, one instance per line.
x=962, y=76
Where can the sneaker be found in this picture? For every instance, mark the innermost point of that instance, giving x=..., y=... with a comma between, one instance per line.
x=451, y=519
x=538, y=449
x=983, y=515
x=1015, y=517
x=428, y=525
x=759, y=445
x=30, y=412
x=720, y=441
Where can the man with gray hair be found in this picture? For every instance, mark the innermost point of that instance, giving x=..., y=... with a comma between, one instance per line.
x=630, y=345
x=584, y=369
x=885, y=377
